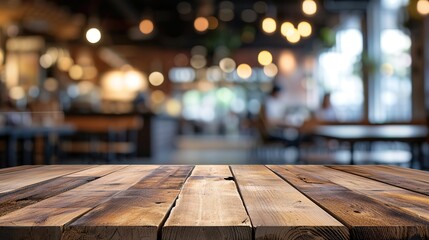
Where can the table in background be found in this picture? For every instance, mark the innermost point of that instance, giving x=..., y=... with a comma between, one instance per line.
x=213, y=202
x=415, y=135
x=11, y=136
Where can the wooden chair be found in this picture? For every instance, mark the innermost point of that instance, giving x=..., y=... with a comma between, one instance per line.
x=274, y=141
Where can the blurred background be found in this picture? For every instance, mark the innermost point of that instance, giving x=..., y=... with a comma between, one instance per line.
x=216, y=82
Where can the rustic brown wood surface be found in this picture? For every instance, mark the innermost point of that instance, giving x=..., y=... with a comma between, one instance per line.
x=130, y=202
x=367, y=218
x=209, y=207
x=279, y=211
x=413, y=180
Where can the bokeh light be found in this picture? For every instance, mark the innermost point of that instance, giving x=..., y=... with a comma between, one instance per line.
x=287, y=62
x=286, y=29
x=213, y=22
x=16, y=93
x=76, y=72
x=50, y=84
x=304, y=29
x=198, y=61
x=156, y=78
x=270, y=70
x=309, y=7
x=265, y=58
x=157, y=97
x=423, y=7
x=201, y=24
x=294, y=36
x=65, y=63
x=93, y=35
x=249, y=16
x=260, y=7
x=244, y=71
x=46, y=61
x=135, y=80
x=146, y=26
x=227, y=65
x=269, y=25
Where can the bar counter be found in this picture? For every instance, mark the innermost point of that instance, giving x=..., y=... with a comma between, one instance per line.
x=131, y=202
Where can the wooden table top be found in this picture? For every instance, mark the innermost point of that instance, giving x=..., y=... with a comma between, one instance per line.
x=374, y=132
x=131, y=202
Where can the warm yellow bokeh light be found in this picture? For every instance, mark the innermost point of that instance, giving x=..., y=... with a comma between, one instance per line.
x=309, y=7
x=76, y=72
x=294, y=37
x=146, y=26
x=16, y=93
x=156, y=78
x=244, y=71
x=65, y=63
x=271, y=70
x=265, y=58
x=201, y=24
x=286, y=28
x=304, y=29
x=423, y=7
x=93, y=35
x=173, y=107
x=135, y=80
x=269, y=25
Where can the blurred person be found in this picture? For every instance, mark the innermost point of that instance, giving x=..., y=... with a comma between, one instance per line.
x=274, y=107
x=326, y=112
x=273, y=124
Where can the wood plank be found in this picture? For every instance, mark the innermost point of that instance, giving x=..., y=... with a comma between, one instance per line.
x=13, y=181
x=18, y=168
x=209, y=207
x=97, y=171
x=26, y=196
x=136, y=213
x=279, y=211
x=414, y=180
x=44, y=219
x=408, y=201
x=366, y=218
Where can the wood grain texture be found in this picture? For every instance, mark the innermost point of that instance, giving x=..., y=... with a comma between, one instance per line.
x=18, y=168
x=23, y=197
x=209, y=207
x=136, y=213
x=408, y=201
x=14, y=180
x=366, y=218
x=414, y=180
x=279, y=211
x=49, y=216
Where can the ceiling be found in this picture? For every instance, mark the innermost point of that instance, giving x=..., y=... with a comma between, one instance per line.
x=119, y=19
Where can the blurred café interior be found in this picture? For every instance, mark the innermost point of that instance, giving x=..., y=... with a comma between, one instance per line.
x=214, y=82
